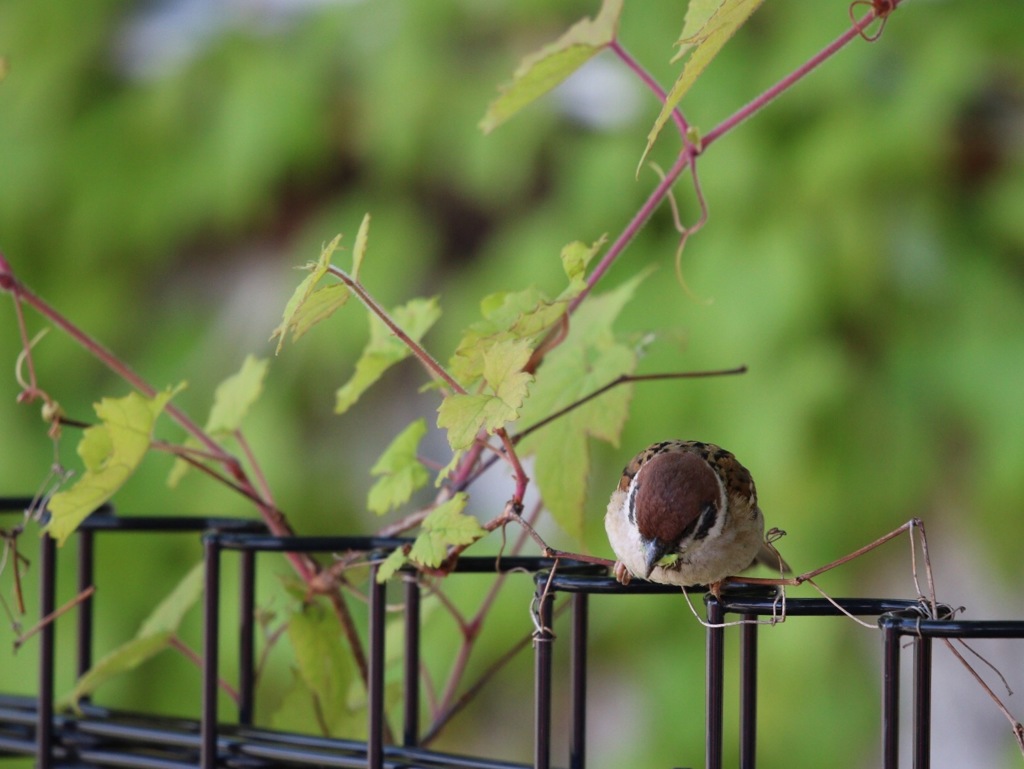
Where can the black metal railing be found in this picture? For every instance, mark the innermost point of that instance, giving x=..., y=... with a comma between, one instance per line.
x=98, y=737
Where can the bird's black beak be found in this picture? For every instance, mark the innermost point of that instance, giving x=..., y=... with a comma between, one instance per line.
x=654, y=550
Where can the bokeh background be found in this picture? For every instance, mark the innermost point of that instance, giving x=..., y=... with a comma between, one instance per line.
x=165, y=165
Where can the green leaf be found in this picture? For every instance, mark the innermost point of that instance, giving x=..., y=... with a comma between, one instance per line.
x=231, y=402
x=324, y=666
x=301, y=313
x=123, y=659
x=708, y=27
x=588, y=359
x=514, y=315
x=542, y=70
x=400, y=471
x=359, y=249
x=446, y=526
x=319, y=305
x=395, y=561
x=153, y=637
x=168, y=615
x=576, y=257
x=464, y=415
x=384, y=349
x=235, y=396
x=508, y=316
x=449, y=468
x=111, y=451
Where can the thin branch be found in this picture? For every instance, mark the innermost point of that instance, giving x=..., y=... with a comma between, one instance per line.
x=257, y=471
x=53, y=615
x=270, y=640
x=1018, y=729
x=625, y=379
x=196, y=659
x=510, y=455
x=448, y=706
x=9, y=283
x=485, y=677
x=190, y=455
x=446, y=602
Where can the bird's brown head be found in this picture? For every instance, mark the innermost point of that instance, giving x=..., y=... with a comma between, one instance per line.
x=674, y=497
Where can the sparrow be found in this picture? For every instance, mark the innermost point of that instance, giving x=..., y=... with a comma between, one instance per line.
x=685, y=513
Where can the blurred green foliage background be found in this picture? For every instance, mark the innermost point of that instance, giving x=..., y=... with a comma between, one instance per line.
x=165, y=165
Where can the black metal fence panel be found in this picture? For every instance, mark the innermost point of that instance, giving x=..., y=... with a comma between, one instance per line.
x=98, y=737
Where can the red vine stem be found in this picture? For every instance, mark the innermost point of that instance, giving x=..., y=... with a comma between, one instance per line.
x=690, y=151
x=677, y=116
x=791, y=79
x=304, y=565
x=107, y=358
x=276, y=522
x=429, y=361
x=634, y=226
x=196, y=659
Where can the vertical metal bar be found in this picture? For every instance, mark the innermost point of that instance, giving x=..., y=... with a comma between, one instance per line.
x=543, y=642
x=748, y=692
x=246, y=636
x=411, y=714
x=86, y=568
x=715, y=683
x=922, y=702
x=578, y=684
x=375, y=686
x=890, y=697
x=211, y=633
x=47, y=603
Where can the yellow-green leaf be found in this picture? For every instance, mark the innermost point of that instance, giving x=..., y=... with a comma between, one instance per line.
x=153, y=637
x=395, y=561
x=446, y=526
x=575, y=258
x=384, y=349
x=111, y=451
x=508, y=316
x=464, y=415
x=359, y=249
x=448, y=469
x=519, y=314
x=589, y=358
x=123, y=659
x=400, y=470
x=231, y=402
x=235, y=396
x=515, y=315
x=299, y=320
x=708, y=27
x=319, y=306
x=542, y=70
x=167, y=616
x=324, y=666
